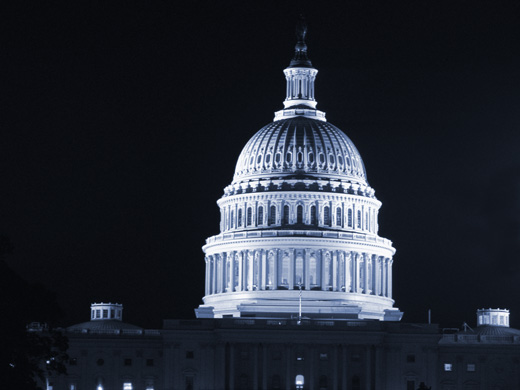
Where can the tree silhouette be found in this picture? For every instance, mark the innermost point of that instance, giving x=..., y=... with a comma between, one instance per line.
x=28, y=353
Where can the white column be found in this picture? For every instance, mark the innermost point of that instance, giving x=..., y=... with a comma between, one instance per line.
x=348, y=260
x=306, y=271
x=335, y=271
x=240, y=286
x=291, y=269
x=383, y=277
x=366, y=259
x=231, y=260
x=356, y=277
x=390, y=262
x=214, y=276
x=275, y=269
x=206, y=284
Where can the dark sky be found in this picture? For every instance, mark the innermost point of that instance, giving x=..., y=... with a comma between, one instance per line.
x=122, y=124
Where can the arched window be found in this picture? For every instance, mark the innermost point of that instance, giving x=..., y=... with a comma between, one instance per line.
x=313, y=215
x=313, y=275
x=349, y=218
x=260, y=219
x=338, y=217
x=299, y=381
x=285, y=215
x=326, y=216
x=249, y=216
x=232, y=219
x=272, y=215
x=284, y=279
x=239, y=223
x=359, y=219
x=299, y=214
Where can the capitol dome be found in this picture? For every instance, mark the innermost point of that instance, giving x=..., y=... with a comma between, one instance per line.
x=300, y=147
x=298, y=229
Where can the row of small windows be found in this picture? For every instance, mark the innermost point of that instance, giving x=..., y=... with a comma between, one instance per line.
x=126, y=362
x=105, y=314
x=334, y=161
x=358, y=219
x=100, y=386
x=470, y=367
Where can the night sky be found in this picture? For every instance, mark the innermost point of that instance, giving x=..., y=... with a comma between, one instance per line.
x=122, y=124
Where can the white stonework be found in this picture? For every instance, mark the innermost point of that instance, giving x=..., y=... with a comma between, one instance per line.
x=299, y=214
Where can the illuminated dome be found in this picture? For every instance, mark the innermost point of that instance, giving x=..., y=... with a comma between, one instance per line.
x=299, y=222
x=300, y=147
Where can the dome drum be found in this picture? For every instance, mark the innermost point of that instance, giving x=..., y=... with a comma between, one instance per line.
x=308, y=210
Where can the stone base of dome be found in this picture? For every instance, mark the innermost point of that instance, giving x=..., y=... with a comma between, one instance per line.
x=285, y=304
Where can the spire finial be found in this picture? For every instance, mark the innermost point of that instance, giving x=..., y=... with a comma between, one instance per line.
x=300, y=50
x=301, y=29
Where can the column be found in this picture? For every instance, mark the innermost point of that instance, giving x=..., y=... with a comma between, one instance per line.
x=263, y=267
x=306, y=271
x=368, y=363
x=231, y=366
x=231, y=260
x=356, y=277
x=206, y=284
x=223, y=261
x=214, y=261
x=264, y=367
x=240, y=286
x=344, y=366
x=366, y=259
x=390, y=262
x=255, y=367
x=334, y=361
x=291, y=269
x=335, y=271
x=383, y=277
x=323, y=276
x=275, y=269
x=348, y=282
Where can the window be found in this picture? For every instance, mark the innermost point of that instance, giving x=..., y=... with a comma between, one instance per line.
x=326, y=216
x=448, y=367
x=190, y=355
x=112, y=313
x=349, y=218
x=410, y=358
x=249, y=216
x=272, y=216
x=98, y=313
x=299, y=381
x=105, y=313
x=359, y=219
x=338, y=217
x=313, y=215
x=127, y=386
x=149, y=362
x=260, y=219
x=299, y=214
x=470, y=367
x=285, y=215
x=239, y=223
x=128, y=362
x=232, y=219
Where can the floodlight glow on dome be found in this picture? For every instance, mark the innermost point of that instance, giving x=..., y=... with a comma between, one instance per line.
x=299, y=222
